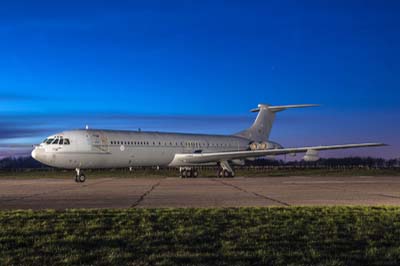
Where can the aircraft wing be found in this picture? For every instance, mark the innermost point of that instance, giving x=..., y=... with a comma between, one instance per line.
x=200, y=158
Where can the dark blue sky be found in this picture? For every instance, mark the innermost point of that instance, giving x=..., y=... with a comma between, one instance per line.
x=199, y=66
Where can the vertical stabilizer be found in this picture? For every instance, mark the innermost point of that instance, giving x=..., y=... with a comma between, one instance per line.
x=261, y=128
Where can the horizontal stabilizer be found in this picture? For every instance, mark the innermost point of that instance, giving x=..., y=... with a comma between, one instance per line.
x=282, y=107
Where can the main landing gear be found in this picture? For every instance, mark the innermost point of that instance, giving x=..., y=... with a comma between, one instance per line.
x=225, y=173
x=80, y=176
x=225, y=170
x=187, y=172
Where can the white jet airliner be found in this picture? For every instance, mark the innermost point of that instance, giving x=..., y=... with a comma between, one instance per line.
x=86, y=149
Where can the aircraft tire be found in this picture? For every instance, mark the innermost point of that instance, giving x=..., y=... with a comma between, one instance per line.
x=183, y=174
x=195, y=173
x=82, y=178
x=226, y=173
x=220, y=174
x=189, y=174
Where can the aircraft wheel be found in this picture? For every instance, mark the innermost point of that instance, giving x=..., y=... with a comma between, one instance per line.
x=183, y=174
x=195, y=173
x=189, y=174
x=226, y=173
x=220, y=173
x=82, y=178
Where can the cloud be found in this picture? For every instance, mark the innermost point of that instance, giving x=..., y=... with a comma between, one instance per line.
x=39, y=126
x=21, y=132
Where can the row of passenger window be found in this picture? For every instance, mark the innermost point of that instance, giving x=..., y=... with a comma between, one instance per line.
x=57, y=141
x=159, y=143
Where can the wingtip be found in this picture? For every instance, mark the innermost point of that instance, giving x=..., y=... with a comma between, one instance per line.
x=378, y=144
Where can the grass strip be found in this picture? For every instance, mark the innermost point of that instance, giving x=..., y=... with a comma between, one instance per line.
x=228, y=236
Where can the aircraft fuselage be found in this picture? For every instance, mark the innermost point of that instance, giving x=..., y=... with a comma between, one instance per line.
x=114, y=149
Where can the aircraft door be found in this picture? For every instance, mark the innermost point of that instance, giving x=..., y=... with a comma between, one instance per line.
x=99, y=141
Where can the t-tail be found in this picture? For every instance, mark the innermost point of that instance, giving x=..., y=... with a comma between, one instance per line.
x=262, y=126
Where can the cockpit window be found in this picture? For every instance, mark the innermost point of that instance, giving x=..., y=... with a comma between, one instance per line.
x=66, y=141
x=61, y=142
x=44, y=141
x=55, y=141
x=49, y=141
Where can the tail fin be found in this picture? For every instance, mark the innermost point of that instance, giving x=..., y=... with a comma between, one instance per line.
x=262, y=126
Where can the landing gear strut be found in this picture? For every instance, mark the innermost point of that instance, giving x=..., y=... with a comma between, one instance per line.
x=187, y=172
x=80, y=176
x=225, y=170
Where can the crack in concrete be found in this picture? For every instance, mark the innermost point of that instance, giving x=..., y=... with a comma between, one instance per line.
x=251, y=192
x=145, y=194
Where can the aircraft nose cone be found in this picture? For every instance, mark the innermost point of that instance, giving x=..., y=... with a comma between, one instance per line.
x=38, y=154
x=34, y=153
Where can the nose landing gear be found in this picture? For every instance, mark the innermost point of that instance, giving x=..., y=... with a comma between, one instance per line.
x=80, y=176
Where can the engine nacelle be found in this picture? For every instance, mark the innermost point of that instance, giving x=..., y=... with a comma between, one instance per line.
x=311, y=156
x=253, y=146
x=269, y=145
x=263, y=146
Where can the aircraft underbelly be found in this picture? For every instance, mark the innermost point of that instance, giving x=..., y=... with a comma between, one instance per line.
x=128, y=157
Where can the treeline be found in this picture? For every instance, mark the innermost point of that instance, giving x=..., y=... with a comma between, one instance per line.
x=348, y=162
x=20, y=163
